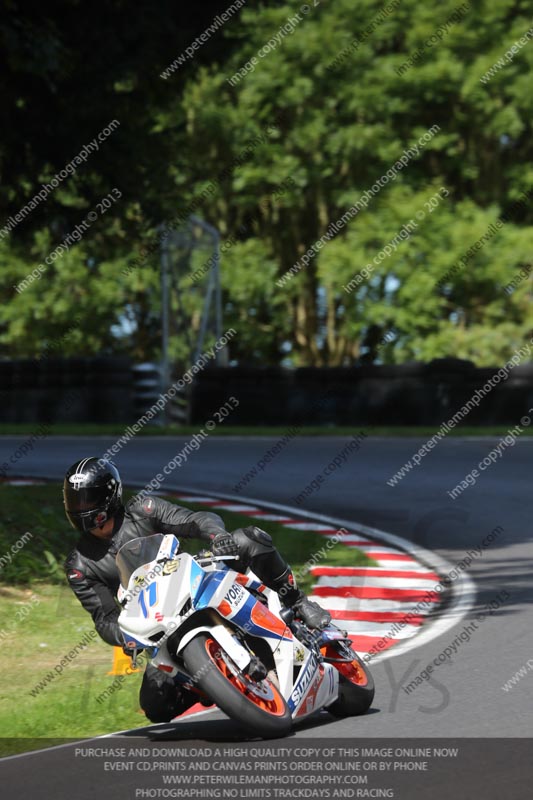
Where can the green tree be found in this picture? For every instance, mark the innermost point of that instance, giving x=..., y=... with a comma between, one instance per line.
x=346, y=116
x=272, y=152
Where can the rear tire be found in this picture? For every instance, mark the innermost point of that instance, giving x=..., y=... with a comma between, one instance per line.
x=356, y=689
x=257, y=705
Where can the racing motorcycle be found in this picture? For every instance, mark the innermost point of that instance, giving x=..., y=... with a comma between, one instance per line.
x=225, y=636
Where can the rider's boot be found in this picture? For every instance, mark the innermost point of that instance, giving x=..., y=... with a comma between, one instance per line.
x=313, y=615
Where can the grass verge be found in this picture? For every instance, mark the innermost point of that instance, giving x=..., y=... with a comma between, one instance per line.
x=42, y=621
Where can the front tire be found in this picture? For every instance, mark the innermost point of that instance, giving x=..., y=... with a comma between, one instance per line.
x=356, y=689
x=257, y=705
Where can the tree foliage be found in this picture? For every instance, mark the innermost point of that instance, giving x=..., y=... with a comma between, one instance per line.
x=285, y=151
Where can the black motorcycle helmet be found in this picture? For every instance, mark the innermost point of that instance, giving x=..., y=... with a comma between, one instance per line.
x=92, y=493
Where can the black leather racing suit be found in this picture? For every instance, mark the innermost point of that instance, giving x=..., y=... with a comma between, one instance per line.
x=93, y=576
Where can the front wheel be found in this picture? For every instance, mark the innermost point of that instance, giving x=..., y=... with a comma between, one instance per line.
x=356, y=689
x=257, y=705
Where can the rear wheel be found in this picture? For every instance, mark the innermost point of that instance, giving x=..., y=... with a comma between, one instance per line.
x=257, y=705
x=356, y=686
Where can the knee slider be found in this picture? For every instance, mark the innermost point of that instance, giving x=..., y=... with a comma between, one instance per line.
x=258, y=535
x=158, y=696
x=255, y=541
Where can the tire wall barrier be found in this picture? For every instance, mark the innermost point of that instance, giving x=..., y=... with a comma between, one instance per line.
x=67, y=390
x=107, y=390
x=407, y=394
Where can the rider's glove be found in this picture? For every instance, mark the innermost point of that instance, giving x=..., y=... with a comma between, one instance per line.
x=223, y=544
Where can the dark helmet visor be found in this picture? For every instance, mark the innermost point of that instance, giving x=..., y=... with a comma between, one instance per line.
x=87, y=499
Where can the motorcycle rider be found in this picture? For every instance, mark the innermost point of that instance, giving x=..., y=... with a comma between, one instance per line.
x=92, y=495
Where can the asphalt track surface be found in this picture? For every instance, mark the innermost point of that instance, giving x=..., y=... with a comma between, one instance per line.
x=465, y=697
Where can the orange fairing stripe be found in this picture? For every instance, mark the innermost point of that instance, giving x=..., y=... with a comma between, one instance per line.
x=265, y=619
x=244, y=581
x=225, y=608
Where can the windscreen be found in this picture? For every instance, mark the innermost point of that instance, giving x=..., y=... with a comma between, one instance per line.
x=136, y=553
